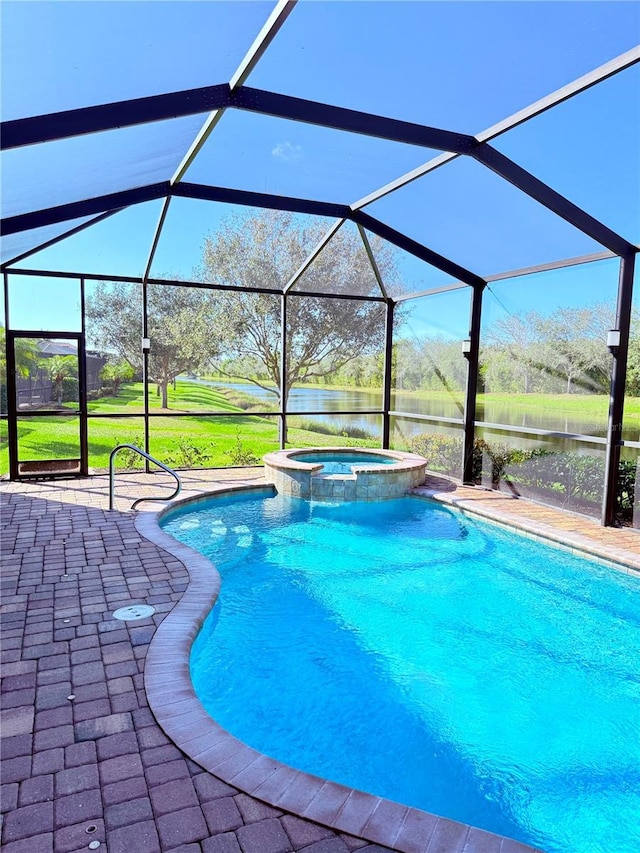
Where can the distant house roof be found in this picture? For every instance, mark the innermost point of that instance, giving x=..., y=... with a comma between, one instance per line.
x=48, y=347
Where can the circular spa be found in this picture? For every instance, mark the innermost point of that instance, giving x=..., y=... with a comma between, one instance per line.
x=406, y=650
x=344, y=474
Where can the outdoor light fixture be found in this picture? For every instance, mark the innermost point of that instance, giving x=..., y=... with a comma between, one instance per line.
x=146, y=344
x=613, y=339
x=466, y=347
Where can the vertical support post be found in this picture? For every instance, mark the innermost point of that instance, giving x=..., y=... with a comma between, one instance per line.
x=283, y=371
x=82, y=388
x=12, y=411
x=145, y=372
x=388, y=376
x=618, y=384
x=473, y=358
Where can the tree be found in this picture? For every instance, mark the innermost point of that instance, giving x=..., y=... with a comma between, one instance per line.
x=27, y=356
x=59, y=368
x=323, y=335
x=114, y=373
x=562, y=352
x=518, y=336
x=575, y=346
x=183, y=328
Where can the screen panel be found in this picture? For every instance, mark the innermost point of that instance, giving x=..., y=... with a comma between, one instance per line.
x=100, y=52
x=117, y=246
x=44, y=303
x=105, y=434
x=430, y=372
x=470, y=215
x=552, y=470
x=441, y=444
x=51, y=174
x=113, y=318
x=544, y=362
x=336, y=430
x=334, y=346
x=587, y=149
x=403, y=273
x=15, y=245
x=342, y=266
x=462, y=66
x=210, y=442
x=234, y=245
x=249, y=151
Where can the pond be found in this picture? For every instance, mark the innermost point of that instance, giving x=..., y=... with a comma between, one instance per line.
x=316, y=399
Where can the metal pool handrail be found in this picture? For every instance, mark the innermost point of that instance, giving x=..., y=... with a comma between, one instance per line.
x=164, y=467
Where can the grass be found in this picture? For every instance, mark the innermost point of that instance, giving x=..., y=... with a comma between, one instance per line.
x=186, y=397
x=187, y=441
x=586, y=405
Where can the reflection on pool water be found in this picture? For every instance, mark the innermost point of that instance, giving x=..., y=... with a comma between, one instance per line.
x=429, y=658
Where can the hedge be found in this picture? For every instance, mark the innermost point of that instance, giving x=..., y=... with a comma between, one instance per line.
x=557, y=476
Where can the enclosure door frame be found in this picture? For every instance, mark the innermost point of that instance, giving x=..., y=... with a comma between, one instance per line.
x=13, y=412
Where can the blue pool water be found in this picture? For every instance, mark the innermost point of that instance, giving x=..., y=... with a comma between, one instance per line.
x=342, y=463
x=404, y=650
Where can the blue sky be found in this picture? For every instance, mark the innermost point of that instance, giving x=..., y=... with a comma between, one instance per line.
x=458, y=65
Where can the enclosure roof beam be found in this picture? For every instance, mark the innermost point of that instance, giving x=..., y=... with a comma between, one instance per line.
x=253, y=199
x=336, y=211
x=274, y=22
x=517, y=273
x=372, y=260
x=77, y=122
x=62, y=125
x=156, y=237
x=86, y=207
x=116, y=201
x=432, y=291
x=552, y=200
x=581, y=84
x=552, y=265
x=353, y=121
x=417, y=249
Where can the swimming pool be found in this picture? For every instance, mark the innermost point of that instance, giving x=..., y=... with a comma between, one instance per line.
x=429, y=658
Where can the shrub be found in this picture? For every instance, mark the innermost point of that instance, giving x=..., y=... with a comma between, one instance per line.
x=69, y=389
x=190, y=455
x=342, y=430
x=128, y=458
x=240, y=455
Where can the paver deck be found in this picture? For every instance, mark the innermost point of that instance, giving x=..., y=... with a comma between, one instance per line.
x=83, y=758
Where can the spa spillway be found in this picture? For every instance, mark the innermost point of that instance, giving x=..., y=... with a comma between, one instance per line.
x=344, y=474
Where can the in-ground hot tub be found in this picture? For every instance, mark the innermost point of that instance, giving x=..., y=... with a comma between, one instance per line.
x=344, y=473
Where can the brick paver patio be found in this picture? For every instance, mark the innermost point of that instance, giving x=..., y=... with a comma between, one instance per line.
x=83, y=760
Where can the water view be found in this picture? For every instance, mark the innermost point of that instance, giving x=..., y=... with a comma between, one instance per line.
x=532, y=416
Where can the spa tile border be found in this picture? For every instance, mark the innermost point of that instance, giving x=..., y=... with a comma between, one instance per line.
x=367, y=482
x=180, y=714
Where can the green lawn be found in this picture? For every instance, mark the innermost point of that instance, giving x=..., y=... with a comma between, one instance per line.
x=187, y=397
x=186, y=441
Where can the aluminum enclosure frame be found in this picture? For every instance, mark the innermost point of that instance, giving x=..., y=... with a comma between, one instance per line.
x=235, y=95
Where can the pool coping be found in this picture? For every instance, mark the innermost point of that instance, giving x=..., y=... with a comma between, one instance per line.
x=181, y=715
x=619, y=560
